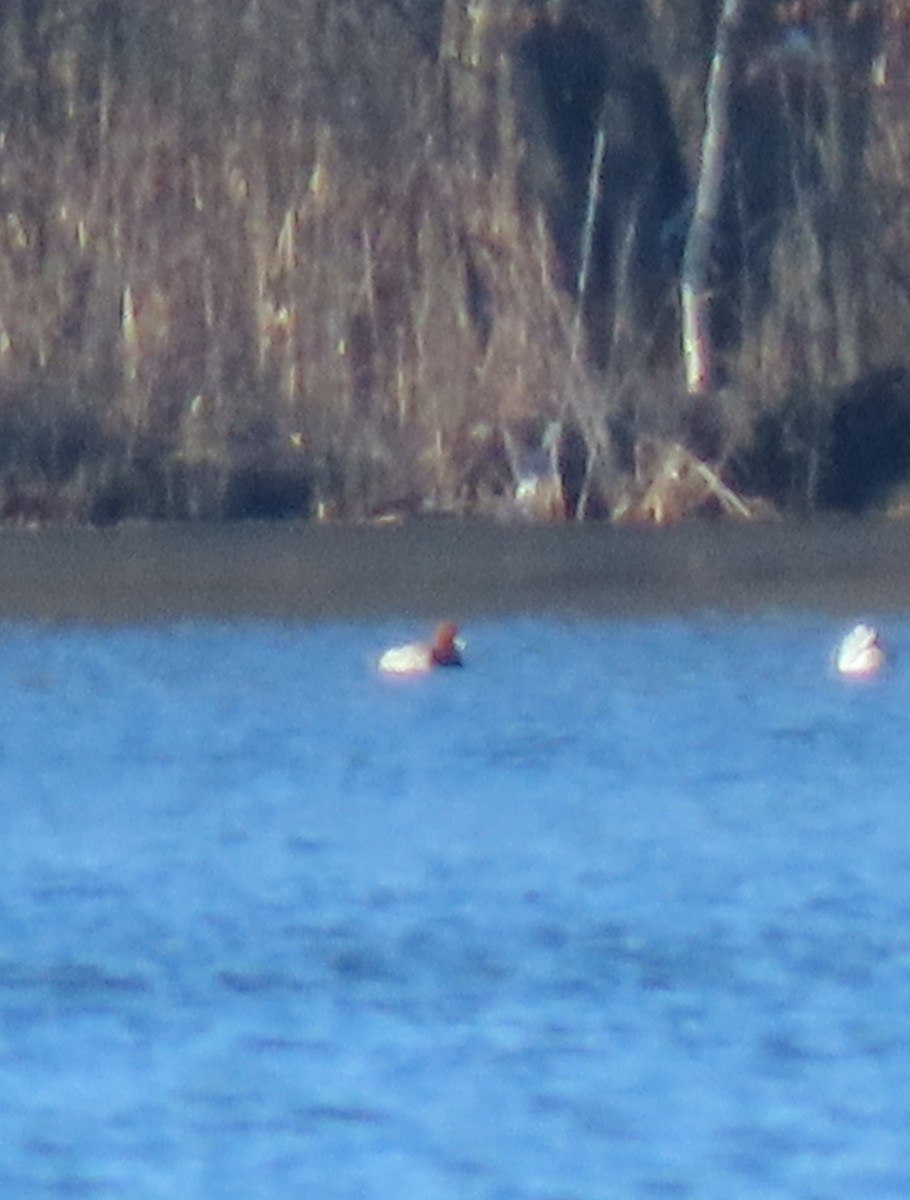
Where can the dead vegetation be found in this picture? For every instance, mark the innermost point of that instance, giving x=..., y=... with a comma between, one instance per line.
x=291, y=269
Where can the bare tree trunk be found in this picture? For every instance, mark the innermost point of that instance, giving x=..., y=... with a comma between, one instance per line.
x=695, y=296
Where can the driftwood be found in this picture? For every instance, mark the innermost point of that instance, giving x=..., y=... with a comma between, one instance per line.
x=513, y=472
x=538, y=487
x=672, y=484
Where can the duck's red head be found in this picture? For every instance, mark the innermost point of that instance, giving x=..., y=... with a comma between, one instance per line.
x=444, y=651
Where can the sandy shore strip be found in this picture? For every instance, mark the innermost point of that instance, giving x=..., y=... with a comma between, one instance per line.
x=432, y=567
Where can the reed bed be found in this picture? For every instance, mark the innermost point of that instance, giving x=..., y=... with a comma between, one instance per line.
x=274, y=259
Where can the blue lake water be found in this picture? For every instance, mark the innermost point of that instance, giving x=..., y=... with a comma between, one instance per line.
x=620, y=910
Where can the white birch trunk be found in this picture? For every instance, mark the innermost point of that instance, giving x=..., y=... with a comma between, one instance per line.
x=695, y=296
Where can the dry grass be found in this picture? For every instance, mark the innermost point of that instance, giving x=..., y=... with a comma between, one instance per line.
x=217, y=300
x=239, y=300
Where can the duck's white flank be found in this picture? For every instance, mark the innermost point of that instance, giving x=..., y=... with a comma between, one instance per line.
x=406, y=660
x=419, y=657
x=860, y=653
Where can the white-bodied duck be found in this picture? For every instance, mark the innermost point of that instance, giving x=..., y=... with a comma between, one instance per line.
x=860, y=654
x=417, y=658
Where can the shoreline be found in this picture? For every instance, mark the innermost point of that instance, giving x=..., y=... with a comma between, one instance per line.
x=435, y=567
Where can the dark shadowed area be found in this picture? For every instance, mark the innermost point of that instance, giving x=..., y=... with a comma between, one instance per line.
x=448, y=567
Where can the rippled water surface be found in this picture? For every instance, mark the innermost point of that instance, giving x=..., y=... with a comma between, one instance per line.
x=620, y=910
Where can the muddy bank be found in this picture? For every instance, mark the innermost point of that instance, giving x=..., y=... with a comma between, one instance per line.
x=466, y=569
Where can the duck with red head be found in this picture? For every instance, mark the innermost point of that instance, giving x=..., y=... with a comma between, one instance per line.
x=416, y=658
